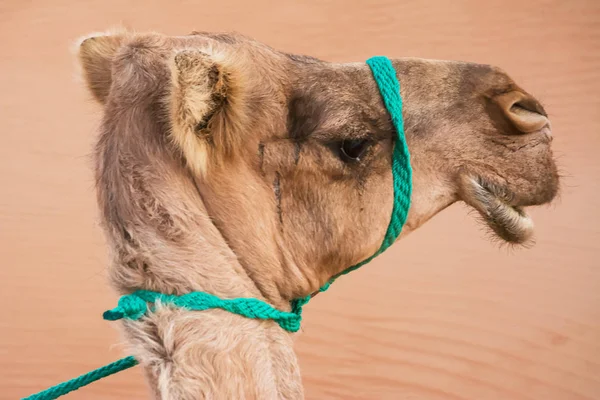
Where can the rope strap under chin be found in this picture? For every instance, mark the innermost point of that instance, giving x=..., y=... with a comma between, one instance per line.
x=135, y=305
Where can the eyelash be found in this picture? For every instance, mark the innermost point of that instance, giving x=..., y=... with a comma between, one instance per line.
x=353, y=150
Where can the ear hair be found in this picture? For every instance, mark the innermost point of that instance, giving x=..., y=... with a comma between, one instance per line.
x=96, y=53
x=208, y=107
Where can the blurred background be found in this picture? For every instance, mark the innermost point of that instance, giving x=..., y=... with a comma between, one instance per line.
x=445, y=314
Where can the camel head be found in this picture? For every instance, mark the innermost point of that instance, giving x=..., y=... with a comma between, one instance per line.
x=290, y=156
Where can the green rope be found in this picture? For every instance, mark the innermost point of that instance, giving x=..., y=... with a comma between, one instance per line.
x=389, y=87
x=84, y=380
x=135, y=305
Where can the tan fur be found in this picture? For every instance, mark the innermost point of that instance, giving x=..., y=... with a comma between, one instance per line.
x=219, y=168
x=96, y=54
x=208, y=90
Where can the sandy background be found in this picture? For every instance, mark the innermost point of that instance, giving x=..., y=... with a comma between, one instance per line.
x=443, y=315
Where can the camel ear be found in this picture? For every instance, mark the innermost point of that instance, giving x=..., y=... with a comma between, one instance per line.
x=207, y=106
x=96, y=54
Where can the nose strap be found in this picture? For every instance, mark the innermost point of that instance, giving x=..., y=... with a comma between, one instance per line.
x=389, y=88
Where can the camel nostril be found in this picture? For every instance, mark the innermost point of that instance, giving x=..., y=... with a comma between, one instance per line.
x=528, y=104
x=523, y=111
x=525, y=120
x=520, y=106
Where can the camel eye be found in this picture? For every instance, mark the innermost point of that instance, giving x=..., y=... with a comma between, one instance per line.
x=353, y=149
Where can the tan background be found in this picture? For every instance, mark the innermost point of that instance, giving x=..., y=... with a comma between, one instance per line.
x=443, y=315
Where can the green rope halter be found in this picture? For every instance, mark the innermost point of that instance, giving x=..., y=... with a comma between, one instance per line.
x=135, y=305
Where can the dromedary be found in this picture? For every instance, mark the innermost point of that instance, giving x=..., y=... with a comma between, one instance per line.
x=228, y=167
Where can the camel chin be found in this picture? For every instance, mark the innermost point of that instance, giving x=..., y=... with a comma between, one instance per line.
x=494, y=203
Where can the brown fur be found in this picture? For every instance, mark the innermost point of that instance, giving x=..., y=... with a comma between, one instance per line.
x=219, y=168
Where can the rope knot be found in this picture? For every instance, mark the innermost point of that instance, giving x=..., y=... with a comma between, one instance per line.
x=291, y=324
x=129, y=307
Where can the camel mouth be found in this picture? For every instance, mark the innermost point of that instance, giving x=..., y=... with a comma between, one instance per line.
x=497, y=206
